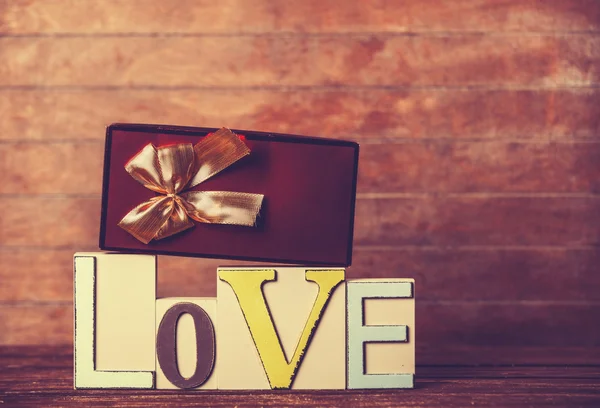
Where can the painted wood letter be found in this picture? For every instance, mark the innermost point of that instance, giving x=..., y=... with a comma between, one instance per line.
x=185, y=343
x=381, y=333
x=114, y=320
x=282, y=328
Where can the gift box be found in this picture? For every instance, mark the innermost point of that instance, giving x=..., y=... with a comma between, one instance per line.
x=291, y=198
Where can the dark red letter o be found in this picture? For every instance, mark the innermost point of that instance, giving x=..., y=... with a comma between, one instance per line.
x=166, y=345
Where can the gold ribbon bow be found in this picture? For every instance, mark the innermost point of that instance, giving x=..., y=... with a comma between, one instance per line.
x=171, y=170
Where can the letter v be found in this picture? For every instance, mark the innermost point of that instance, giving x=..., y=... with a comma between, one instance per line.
x=247, y=286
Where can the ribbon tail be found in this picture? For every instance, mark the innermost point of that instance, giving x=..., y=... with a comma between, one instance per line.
x=146, y=220
x=215, y=153
x=223, y=207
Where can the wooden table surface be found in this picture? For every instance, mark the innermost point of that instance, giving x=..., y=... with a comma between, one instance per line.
x=42, y=377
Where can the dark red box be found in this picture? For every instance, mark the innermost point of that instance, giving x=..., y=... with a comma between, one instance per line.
x=308, y=211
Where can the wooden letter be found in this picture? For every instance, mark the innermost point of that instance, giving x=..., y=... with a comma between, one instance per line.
x=256, y=327
x=185, y=343
x=111, y=323
x=374, y=308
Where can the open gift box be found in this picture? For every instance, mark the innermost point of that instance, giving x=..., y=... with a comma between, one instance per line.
x=306, y=216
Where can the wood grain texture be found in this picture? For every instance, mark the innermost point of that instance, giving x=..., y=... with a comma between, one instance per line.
x=462, y=167
x=541, y=61
x=507, y=356
x=459, y=274
x=59, y=222
x=442, y=167
x=535, y=392
x=441, y=221
x=37, y=324
x=42, y=376
x=457, y=221
x=310, y=16
x=478, y=122
x=367, y=116
x=69, y=168
x=476, y=274
x=450, y=393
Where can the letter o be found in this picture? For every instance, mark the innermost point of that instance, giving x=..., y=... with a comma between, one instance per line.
x=166, y=345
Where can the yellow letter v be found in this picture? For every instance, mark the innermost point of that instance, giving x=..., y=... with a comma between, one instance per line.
x=247, y=286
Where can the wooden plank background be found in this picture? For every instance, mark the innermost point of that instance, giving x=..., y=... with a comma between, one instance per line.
x=478, y=122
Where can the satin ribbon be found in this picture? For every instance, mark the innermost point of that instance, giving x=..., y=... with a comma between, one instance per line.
x=171, y=170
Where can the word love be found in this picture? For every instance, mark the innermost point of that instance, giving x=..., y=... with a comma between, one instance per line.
x=268, y=328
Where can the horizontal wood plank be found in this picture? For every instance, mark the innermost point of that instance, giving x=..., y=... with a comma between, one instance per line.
x=265, y=61
x=438, y=324
x=30, y=381
x=57, y=390
x=51, y=222
x=407, y=167
x=68, y=168
x=463, y=274
x=362, y=115
x=552, y=275
x=463, y=167
x=43, y=376
x=445, y=221
x=465, y=355
x=457, y=221
x=308, y=16
x=36, y=324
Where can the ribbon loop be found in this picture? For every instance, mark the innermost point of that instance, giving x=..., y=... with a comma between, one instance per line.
x=145, y=168
x=171, y=170
x=176, y=166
